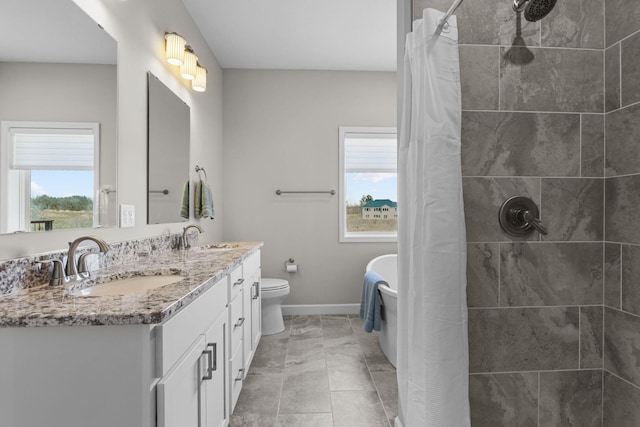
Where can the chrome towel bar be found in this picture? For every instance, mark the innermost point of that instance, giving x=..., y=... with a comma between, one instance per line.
x=332, y=192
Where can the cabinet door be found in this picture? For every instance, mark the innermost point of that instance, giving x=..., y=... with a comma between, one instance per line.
x=179, y=393
x=246, y=335
x=215, y=383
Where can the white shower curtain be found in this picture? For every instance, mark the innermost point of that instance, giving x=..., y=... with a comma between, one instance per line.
x=433, y=362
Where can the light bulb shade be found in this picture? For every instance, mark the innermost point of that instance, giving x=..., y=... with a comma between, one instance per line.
x=188, y=68
x=174, y=48
x=199, y=84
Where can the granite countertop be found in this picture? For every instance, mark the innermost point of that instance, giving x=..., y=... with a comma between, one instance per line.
x=201, y=268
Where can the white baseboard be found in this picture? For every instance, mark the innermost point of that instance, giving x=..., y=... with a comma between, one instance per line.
x=308, y=309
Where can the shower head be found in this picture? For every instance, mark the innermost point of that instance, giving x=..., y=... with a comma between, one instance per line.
x=534, y=10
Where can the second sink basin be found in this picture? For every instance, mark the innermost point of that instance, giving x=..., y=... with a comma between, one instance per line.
x=129, y=285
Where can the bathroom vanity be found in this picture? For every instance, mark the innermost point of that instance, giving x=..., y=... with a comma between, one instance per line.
x=173, y=356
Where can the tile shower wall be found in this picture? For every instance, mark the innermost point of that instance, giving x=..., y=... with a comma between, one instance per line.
x=533, y=124
x=622, y=217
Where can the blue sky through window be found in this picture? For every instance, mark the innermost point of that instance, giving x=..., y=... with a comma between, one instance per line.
x=378, y=185
x=62, y=183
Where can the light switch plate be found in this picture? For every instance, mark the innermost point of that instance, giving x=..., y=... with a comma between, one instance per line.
x=127, y=216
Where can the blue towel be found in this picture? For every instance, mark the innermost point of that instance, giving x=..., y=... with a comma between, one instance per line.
x=370, y=305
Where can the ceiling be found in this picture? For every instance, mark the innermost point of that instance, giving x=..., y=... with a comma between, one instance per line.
x=299, y=34
x=52, y=31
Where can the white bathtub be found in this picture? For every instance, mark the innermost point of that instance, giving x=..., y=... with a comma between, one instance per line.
x=387, y=267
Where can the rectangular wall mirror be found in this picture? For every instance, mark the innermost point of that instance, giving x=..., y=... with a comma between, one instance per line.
x=168, y=153
x=58, y=109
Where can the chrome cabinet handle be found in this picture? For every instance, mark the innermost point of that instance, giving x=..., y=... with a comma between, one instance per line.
x=256, y=286
x=238, y=282
x=239, y=323
x=214, y=361
x=240, y=374
x=209, y=374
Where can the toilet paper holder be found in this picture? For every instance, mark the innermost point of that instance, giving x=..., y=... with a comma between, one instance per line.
x=290, y=266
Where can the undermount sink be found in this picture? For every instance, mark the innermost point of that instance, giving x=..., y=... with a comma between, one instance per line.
x=129, y=285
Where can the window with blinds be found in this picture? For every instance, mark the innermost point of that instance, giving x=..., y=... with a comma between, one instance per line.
x=51, y=149
x=368, y=184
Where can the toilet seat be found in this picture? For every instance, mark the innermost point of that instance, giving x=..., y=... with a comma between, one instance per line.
x=270, y=285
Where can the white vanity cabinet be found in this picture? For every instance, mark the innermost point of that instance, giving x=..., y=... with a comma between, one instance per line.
x=244, y=322
x=190, y=363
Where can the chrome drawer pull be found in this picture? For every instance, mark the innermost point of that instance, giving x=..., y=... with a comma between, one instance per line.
x=239, y=377
x=238, y=282
x=209, y=354
x=257, y=290
x=240, y=322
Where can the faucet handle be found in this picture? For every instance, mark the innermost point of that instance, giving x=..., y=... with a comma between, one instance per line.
x=57, y=275
x=82, y=263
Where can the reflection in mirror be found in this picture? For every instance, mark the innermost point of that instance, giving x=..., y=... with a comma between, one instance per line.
x=168, y=154
x=58, y=94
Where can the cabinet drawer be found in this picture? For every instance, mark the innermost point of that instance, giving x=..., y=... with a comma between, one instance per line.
x=236, y=323
x=179, y=332
x=251, y=265
x=235, y=282
x=237, y=377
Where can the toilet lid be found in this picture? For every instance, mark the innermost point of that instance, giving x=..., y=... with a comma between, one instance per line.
x=273, y=284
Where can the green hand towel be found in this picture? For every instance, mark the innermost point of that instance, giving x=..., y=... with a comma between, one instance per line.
x=184, y=208
x=197, y=200
x=207, y=201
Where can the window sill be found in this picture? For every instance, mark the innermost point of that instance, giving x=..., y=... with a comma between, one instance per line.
x=369, y=238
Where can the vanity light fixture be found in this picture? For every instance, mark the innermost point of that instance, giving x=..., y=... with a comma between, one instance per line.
x=180, y=54
x=188, y=67
x=199, y=84
x=174, y=48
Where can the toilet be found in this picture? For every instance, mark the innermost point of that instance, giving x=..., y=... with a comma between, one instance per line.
x=274, y=291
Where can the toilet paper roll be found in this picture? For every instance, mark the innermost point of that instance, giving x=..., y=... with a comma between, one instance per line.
x=292, y=268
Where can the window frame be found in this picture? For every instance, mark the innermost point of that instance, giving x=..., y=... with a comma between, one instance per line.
x=357, y=237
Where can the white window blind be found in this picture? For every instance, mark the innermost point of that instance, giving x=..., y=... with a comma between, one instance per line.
x=51, y=149
x=370, y=153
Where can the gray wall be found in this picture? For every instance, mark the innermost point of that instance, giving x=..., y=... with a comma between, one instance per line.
x=139, y=27
x=622, y=222
x=281, y=132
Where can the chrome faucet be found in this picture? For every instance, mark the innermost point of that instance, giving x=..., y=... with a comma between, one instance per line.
x=185, y=239
x=71, y=269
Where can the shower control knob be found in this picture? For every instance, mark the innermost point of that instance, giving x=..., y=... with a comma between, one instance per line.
x=519, y=216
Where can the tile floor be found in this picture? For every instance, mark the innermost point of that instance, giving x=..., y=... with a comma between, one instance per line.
x=321, y=371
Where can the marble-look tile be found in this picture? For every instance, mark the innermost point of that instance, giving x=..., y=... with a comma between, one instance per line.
x=622, y=216
x=622, y=345
x=557, y=80
x=387, y=386
x=520, y=144
x=252, y=420
x=592, y=145
x=305, y=420
x=612, y=274
x=485, y=22
x=574, y=24
x=572, y=210
x=260, y=395
x=612, y=78
x=523, y=339
x=571, y=399
x=540, y=274
x=504, y=400
x=357, y=409
x=373, y=354
x=479, y=77
x=482, y=274
x=631, y=279
x=343, y=347
x=482, y=200
x=591, y=337
x=303, y=401
x=271, y=353
x=622, y=19
x=304, y=351
x=630, y=81
x=622, y=130
x=621, y=399
x=357, y=324
x=308, y=374
x=305, y=327
x=336, y=328
x=349, y=374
